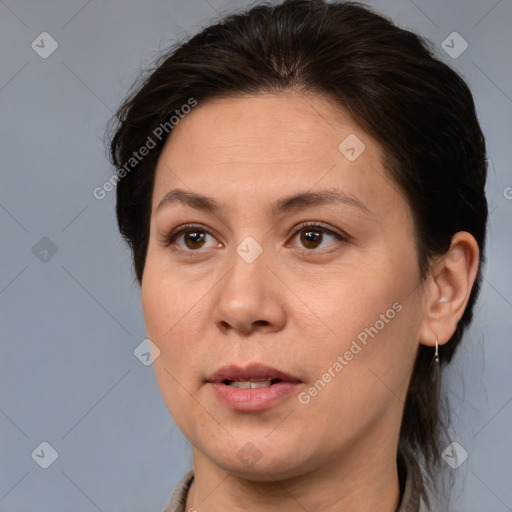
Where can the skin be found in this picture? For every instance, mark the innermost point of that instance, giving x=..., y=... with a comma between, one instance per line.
x=297, y=307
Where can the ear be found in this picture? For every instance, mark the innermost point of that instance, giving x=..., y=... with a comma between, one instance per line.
x=448, y=289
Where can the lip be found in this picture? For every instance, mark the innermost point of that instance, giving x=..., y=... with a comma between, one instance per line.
x=253, y=371
x=255, y=399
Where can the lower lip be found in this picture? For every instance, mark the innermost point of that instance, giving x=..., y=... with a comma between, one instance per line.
x=255, y=399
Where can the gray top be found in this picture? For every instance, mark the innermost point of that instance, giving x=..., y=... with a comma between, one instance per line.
x=410, y=490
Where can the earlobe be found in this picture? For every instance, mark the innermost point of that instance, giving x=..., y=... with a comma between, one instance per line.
x=448, y=289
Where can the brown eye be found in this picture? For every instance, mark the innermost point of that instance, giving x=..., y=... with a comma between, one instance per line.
x=189, y=238
x=311, y=237
x=194, y=239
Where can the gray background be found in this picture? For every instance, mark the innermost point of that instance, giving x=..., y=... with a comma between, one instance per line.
x=69, y=325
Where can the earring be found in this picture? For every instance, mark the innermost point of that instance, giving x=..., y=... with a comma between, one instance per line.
x=436, y=354
x=436, y=371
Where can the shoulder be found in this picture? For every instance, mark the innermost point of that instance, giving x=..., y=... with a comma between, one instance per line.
x=178, y=498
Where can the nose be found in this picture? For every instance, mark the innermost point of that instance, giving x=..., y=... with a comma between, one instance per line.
x=250, y=298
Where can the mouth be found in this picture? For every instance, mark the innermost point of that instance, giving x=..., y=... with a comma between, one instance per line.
x=251, y=388
x=250, y=384
x=255, y=375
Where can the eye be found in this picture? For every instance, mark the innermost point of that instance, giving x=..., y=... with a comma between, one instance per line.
x=192, y=237
x=312, y=235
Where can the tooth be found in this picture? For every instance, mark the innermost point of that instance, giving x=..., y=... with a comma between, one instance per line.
x=261, y=384
x=242, y=385
x=252, y=384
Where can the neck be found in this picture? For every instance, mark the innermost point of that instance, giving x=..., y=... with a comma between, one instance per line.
x=360, y=479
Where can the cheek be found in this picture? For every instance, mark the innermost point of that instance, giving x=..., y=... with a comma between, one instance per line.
x=175, y=314
x=155, y=306
x=353, y=298
x=166, y=326
x=162, y=297
x=162, y=312
x=373, y=320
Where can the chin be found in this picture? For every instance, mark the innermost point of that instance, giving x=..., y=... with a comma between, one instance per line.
x=261, y=461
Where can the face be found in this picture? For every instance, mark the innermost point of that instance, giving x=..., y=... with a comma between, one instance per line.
x=299, y=267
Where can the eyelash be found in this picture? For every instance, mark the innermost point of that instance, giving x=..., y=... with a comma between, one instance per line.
x=168, y=240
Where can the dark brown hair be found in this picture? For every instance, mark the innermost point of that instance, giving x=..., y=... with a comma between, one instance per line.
x=387, y=78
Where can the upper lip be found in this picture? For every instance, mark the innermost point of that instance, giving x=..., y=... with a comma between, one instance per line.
x=252, y=371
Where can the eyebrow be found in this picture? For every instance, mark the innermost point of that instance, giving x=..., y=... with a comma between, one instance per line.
x=280, y=206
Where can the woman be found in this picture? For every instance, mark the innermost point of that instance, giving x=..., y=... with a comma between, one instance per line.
x=309, y=242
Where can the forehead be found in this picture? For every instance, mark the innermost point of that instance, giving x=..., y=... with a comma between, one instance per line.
x=267, y=145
